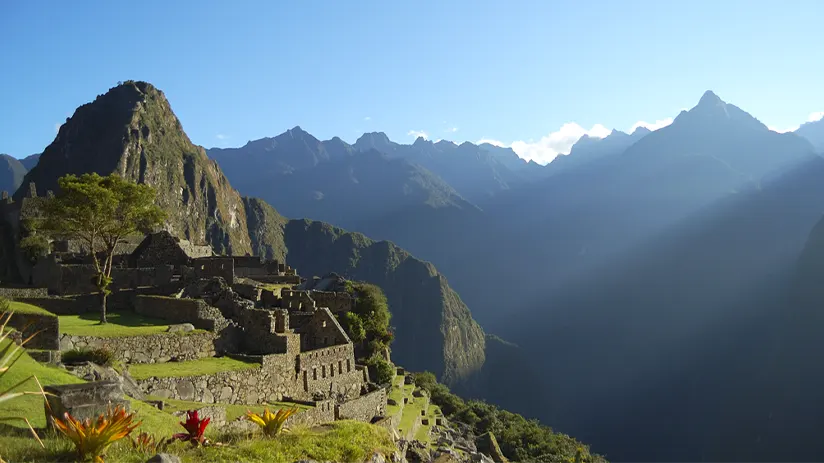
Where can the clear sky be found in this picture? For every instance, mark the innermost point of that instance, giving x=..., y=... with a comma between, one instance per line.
x=506, y=70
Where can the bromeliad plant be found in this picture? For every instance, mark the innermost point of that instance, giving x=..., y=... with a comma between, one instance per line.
x=93, y=438
x=148, y=444
x=271, y=423
x=195, y=429
x=10, y=352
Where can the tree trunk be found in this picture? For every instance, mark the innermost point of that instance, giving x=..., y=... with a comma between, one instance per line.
x=103, y=297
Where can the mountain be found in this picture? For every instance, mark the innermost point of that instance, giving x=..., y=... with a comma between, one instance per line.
x=650, y=279
x=131, y=130
x=30, y=161
x=588, y=149
x=331, y=181
x=814, y=132
x=476, y=172
x=12, y=172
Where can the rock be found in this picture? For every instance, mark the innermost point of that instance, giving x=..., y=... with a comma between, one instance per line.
x=180, y=327
x=163, y=458
x=408, y=379
x=186, y=390
x=391, y=402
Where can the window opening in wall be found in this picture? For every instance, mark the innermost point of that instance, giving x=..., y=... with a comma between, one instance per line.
x=340, y=366
x=348, y=365
x=323, y=371
x=332, y=370
x=314, y=373
x=324, y=323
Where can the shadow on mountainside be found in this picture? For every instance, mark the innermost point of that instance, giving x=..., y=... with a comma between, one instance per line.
x=674, y=343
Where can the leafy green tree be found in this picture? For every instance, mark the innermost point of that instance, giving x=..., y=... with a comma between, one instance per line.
x=100, y=212
x=353, y=325
x=381, y=370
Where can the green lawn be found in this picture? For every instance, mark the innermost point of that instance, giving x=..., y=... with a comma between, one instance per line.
x=233, y=411
x=204, y=366
x=338, y=441
x=22, y=307
x=119, y=324
x=276, y=287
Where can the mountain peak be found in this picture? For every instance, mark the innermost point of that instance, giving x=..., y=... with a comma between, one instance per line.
x=709, y=99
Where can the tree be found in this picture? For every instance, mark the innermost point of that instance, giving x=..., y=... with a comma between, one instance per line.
x=100, y=212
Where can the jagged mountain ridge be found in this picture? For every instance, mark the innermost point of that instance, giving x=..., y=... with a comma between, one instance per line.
x=132, y=131
x=588, y=149
x=333, y=182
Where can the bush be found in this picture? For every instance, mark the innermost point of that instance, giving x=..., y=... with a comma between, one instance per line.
x=99, y=356
x=380, y=370
x=353, y=325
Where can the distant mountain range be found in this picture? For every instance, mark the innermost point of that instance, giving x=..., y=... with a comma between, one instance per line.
x=641, y=272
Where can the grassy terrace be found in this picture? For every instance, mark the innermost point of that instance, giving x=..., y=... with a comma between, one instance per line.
x=233, y=411
x=204, y=366
x=22, y=307
x=120, y=324
x=276, y=287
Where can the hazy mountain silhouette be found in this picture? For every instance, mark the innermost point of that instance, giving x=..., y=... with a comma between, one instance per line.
x=814, y=132
x=12, y=172
x=588, y=149
x=477, y=172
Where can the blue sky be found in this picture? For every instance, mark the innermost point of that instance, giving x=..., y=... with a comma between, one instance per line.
x=511, y=71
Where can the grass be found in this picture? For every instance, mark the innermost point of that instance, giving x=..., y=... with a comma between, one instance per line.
x=119, y=324
x=204, y=366
x=349, y=441
x=233, y=411
x=22, y=307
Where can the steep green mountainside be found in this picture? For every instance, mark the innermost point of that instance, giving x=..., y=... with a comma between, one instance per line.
x=132, y=131
x=12, y=172
x=434, y=328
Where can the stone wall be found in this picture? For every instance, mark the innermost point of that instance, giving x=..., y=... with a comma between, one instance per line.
x=208, y=267
x=85, y=400
x=363, y=408
x=248, y=291
x=29, y=324
x=322, y=330
x=78, y=279
x=296, y=299
x=15, y=293
x=336, y=301
x=262, y=335
x=155, y=348
x=159, y=249
x=253, y=386
x=330, y=371
x=277, y=279
x=322, y=412
x=180, y=310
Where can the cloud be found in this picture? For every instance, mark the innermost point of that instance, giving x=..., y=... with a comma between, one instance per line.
x=367, y=118
x=418, y=133
x=555, y=143
x=651, y=125
x=451, y=130
x=221, y=136
x=491, y=142
x=817, y=116
x=57, y=127
x=785, y=130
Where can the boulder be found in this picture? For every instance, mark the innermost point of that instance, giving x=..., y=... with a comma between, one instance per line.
x=163, y=458
x=180, y=327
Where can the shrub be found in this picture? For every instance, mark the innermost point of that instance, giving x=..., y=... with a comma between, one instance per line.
x=99, y=356
x=148, y=444
x=271, y=423
x=92, y=439
x=353, y=325
x=380, y=370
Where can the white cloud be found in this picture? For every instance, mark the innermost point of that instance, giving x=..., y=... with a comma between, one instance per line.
x=817, y=116
x=651, y=125
x=418, y=133
x=780, y=130
x=491, y=142
x=451, y=130
x=221, y=136
x=367, y=118
x=558, y=142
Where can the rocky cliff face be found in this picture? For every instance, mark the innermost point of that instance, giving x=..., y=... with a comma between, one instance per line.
x=132, y=131
x=434, y=328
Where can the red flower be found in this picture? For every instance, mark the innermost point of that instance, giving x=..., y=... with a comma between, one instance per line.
x=195, y=428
